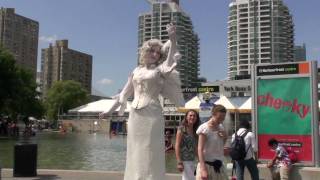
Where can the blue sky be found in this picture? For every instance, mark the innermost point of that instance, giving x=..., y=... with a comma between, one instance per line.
x=107, y=29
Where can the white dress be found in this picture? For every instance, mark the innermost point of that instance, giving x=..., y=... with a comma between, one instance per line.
x=145, y=140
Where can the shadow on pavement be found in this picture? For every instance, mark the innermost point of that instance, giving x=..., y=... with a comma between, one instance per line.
x=47, y=177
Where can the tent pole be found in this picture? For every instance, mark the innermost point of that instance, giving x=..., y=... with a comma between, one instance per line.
x=235, y=121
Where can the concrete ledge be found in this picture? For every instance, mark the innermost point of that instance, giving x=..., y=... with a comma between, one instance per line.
x=297, y=173
x=50, y=174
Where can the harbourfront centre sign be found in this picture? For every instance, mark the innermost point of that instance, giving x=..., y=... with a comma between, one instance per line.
x=200, y=89
x=286, y=108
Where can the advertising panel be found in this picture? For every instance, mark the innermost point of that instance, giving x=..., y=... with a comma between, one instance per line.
x=286, y=109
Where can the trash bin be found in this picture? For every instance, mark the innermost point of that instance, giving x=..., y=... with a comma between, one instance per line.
x=25, y=160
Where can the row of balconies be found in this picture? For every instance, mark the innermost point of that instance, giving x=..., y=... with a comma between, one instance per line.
x=245, y=65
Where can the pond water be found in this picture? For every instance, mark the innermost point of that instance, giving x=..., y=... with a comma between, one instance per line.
x=76, y=151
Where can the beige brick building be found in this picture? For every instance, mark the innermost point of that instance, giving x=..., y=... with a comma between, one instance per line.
x=61, y=63
x=19, y=35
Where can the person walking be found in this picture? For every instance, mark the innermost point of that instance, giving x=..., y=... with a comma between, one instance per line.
x=250, y=157
x=212, y=138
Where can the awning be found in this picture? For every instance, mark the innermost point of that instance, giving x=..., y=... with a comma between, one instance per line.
x=184, y=110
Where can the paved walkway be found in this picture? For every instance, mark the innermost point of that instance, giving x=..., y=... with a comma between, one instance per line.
x=48, y=174
x=298, y=173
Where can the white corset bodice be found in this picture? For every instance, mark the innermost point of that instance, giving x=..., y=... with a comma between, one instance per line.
x=147, y=85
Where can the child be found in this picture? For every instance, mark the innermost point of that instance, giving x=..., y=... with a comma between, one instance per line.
x=280, y=164
x=168, y=141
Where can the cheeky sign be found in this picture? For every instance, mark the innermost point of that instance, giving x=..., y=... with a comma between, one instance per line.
x=284, y=109
x=291, y=106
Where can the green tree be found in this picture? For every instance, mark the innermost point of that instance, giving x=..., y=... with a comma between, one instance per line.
x=18, y=94
x=7, y=77
x=26, y=101
x=64, y=95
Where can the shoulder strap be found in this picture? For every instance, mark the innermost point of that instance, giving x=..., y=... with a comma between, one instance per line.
x=244, y=134
x=250, y=145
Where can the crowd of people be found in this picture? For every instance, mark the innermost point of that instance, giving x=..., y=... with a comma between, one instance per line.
x=8, y=127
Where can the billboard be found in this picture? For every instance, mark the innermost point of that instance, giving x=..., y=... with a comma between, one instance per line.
x=284, y=109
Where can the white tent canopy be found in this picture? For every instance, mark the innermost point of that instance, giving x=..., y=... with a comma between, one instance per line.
x=238, y=101
x=225, y=102
x=193, y=103
x=232, y=103
x=246, y=106
x=97, y=106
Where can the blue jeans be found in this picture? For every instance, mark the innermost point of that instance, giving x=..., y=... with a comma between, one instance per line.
x=252, y=167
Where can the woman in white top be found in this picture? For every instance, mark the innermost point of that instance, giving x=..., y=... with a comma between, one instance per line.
x=212, y=138
x=153, y=77
x=251, y=149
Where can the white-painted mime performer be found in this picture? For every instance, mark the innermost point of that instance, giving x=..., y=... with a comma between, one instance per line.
x=156, y=75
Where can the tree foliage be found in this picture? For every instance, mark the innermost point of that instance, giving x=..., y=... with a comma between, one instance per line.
x=63, y=96
x=7, y=77
x=18, y=94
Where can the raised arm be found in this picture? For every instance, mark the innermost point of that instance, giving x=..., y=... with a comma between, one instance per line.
x=172, y=43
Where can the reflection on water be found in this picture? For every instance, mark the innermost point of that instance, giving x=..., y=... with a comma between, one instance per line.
x=77, y=151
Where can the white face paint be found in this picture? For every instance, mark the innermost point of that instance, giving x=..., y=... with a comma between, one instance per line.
x=152, y=55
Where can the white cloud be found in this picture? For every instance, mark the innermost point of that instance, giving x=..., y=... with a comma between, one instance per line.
x=48, y=39
x=105, y=81
x=315, y=49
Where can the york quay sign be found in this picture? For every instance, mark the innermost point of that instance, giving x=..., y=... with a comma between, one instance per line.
x=237, y=88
